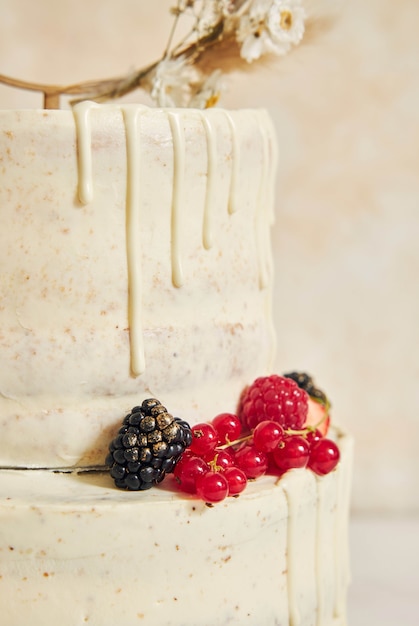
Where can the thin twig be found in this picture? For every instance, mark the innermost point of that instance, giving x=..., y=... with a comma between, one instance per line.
x=217, y=48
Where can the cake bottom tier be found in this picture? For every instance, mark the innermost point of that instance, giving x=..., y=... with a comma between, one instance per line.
x=76, y=551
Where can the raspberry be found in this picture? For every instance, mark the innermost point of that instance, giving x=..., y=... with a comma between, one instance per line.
x=274, y=398
x=147, y=447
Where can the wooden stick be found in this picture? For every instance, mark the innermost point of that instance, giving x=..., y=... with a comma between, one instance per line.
x=51, y=93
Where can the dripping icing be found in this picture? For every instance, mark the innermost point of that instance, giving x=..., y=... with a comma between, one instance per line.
x=325, y=524
x=235, y=165
x=178, y=183
x=81, y=114
x=263, y=209
x=131, y=116
x=263, y=215
x=265, y=218
x=207, y=229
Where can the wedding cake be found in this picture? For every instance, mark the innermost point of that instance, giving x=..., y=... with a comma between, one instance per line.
x=136, y=264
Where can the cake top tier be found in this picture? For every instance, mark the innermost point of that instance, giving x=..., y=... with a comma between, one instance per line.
x=136, y=262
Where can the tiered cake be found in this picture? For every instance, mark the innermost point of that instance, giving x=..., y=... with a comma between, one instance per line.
x=136, y=262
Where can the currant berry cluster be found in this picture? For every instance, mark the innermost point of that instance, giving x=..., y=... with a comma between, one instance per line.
x=269, y=435
x=278, y=410
x=208, y=468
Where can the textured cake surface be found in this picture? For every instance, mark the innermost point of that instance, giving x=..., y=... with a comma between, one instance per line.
x=135, y=262
x=78, y=551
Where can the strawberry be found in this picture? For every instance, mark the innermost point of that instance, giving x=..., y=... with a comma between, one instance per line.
x=318, y=405
x=318, y=416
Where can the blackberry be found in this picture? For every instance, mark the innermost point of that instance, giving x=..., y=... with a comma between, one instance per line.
x=147, y=446
x=304, y=381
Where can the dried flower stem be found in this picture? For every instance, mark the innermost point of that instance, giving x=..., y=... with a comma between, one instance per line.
x=217, y=44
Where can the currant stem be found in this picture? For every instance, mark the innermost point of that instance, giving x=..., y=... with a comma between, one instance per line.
x=288, y=431
x=229, y=444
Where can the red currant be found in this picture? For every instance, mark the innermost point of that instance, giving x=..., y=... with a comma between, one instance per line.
x=267, y=435
x=219, y=460
x=212, y=487
x=292, y=452
x=237, y=480
x=324, y=456
x=228, y=427
x=313, y=436
x=204, y=439
x=254, y=463
x=188, y=470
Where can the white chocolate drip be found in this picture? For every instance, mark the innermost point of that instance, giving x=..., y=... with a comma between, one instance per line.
x=272, y=161
x=207, y=231
x=178, y=183
x=265, y=208
x=133, y=208
x=235, y=165
x=318, y=544
x=321, y=560
x=342, y=566
x=265, y=218
x=133, y=226
x=84, y=142
x=263, y=212
x=300, y=541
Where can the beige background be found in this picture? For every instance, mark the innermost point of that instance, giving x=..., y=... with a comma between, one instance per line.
x=346, y=237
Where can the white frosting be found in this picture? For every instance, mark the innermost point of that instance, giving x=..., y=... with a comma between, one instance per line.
x=133, y=227
x=75, y=550
x=136, y=261
x=210, y=203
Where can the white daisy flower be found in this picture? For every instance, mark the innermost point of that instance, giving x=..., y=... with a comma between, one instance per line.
x=172, y=81
x=209, y=92
x=285, y=23
x=270, y=26
x=210, y=13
